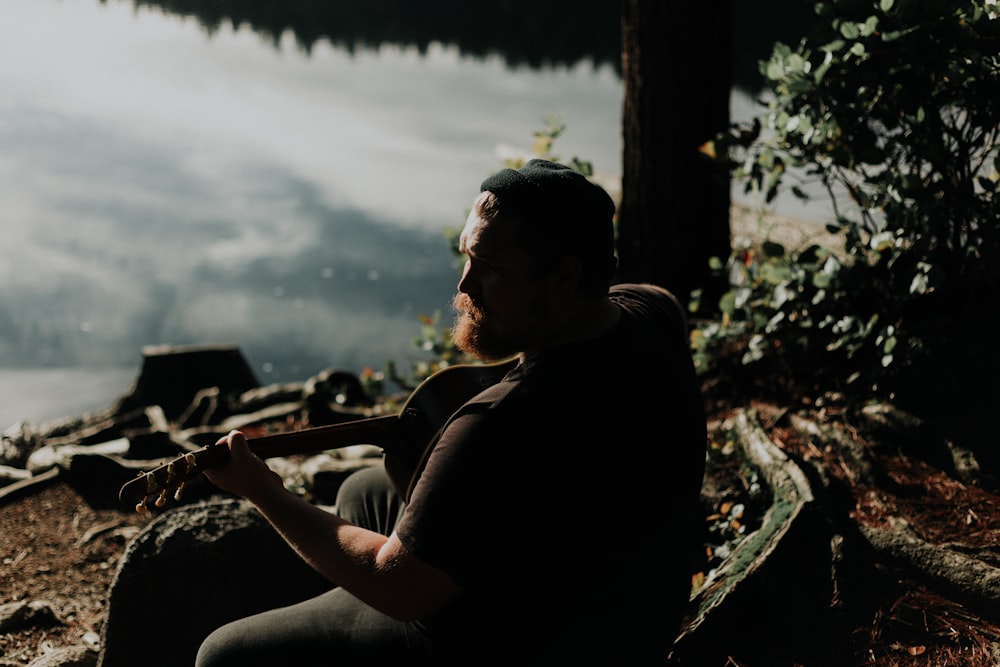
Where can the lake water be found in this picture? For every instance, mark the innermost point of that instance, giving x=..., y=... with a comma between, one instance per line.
x=163, y=184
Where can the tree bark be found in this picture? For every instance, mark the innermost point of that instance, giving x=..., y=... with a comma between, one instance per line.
x=674, y=211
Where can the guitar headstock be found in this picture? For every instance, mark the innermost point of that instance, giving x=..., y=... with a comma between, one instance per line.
x=158, y=483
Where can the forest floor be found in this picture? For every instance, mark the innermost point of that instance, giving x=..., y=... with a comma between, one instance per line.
x=58, y=550
x=887, y=615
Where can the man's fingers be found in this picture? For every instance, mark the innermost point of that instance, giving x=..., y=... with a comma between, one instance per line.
x=236, y=440
x=233, y=439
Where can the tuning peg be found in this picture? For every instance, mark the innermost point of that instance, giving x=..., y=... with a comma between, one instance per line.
x=162, y=499
x=140, y=507
x=150, y=483
x=179, y=491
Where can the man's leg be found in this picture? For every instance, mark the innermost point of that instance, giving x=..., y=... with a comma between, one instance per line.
x=367, y=498
x=334, y=626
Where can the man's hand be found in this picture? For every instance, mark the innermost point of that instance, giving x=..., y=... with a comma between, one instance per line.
x=373, y=567
x=244, y=474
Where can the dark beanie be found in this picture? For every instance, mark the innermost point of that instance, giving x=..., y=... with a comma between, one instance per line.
x=573, y=211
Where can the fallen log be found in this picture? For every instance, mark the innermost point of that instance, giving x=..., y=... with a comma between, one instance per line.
x=771, y=593
x=966, y=579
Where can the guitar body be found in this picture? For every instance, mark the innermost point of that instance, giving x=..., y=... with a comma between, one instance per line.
x=428, y=409
x=404, y=438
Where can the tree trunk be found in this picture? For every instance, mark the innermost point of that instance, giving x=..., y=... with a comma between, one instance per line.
x=674, y=210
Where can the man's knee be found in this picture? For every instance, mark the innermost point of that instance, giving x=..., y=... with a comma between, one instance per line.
x=220, y=650
x=367, y=498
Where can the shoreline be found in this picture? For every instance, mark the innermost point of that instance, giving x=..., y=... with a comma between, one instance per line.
x=40, y=395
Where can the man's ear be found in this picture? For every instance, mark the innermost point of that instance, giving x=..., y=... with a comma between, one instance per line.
x=569, y=273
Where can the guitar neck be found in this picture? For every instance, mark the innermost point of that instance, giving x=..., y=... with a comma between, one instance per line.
x=379, y=431
x=383, y=432
x=404, y=438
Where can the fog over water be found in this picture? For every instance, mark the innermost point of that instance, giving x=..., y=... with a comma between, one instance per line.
x=164, y=185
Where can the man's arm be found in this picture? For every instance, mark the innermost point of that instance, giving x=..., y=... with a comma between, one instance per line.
x=374, y=568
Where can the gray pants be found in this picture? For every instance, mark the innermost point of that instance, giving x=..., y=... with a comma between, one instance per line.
x=332, y=628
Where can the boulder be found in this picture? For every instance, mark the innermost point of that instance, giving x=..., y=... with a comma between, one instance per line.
x=191, y=570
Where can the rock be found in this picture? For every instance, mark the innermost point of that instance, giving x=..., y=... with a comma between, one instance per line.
x=222, y=550
x=324, y=473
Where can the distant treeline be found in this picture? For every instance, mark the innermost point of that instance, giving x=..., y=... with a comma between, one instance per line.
x=525, y=33
x=533, y=33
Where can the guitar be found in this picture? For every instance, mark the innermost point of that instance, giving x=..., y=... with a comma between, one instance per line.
x=405, y=438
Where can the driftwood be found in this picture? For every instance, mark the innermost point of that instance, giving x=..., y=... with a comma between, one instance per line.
x=966, y=574
x=969, y=579
x=752, y=601
x=781, y=587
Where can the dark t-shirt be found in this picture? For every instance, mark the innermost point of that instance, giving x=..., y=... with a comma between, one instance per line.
x=564, y=500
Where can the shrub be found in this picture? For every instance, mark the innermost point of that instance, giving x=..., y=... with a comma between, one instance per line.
x=891, y=108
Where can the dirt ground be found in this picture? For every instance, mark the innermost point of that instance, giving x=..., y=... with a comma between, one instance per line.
x=55, y=549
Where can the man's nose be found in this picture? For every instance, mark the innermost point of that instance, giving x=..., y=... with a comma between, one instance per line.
x=466, y=284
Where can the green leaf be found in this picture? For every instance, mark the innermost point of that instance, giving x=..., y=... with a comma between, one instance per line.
x=775, y=71
x=800, y=86
x=727, y=303
x=774, y=274
x=893, y=35
x=885, y=5
x=870, y=26
x=773, y=323
x=821, y=71
x=822, y=280
x=919, y=284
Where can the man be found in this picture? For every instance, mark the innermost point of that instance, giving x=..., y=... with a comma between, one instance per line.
x=557, y=514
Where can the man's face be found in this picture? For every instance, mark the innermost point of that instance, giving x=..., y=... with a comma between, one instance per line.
x=504, y=301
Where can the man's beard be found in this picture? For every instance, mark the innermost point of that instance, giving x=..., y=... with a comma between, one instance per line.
x=471, y=334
